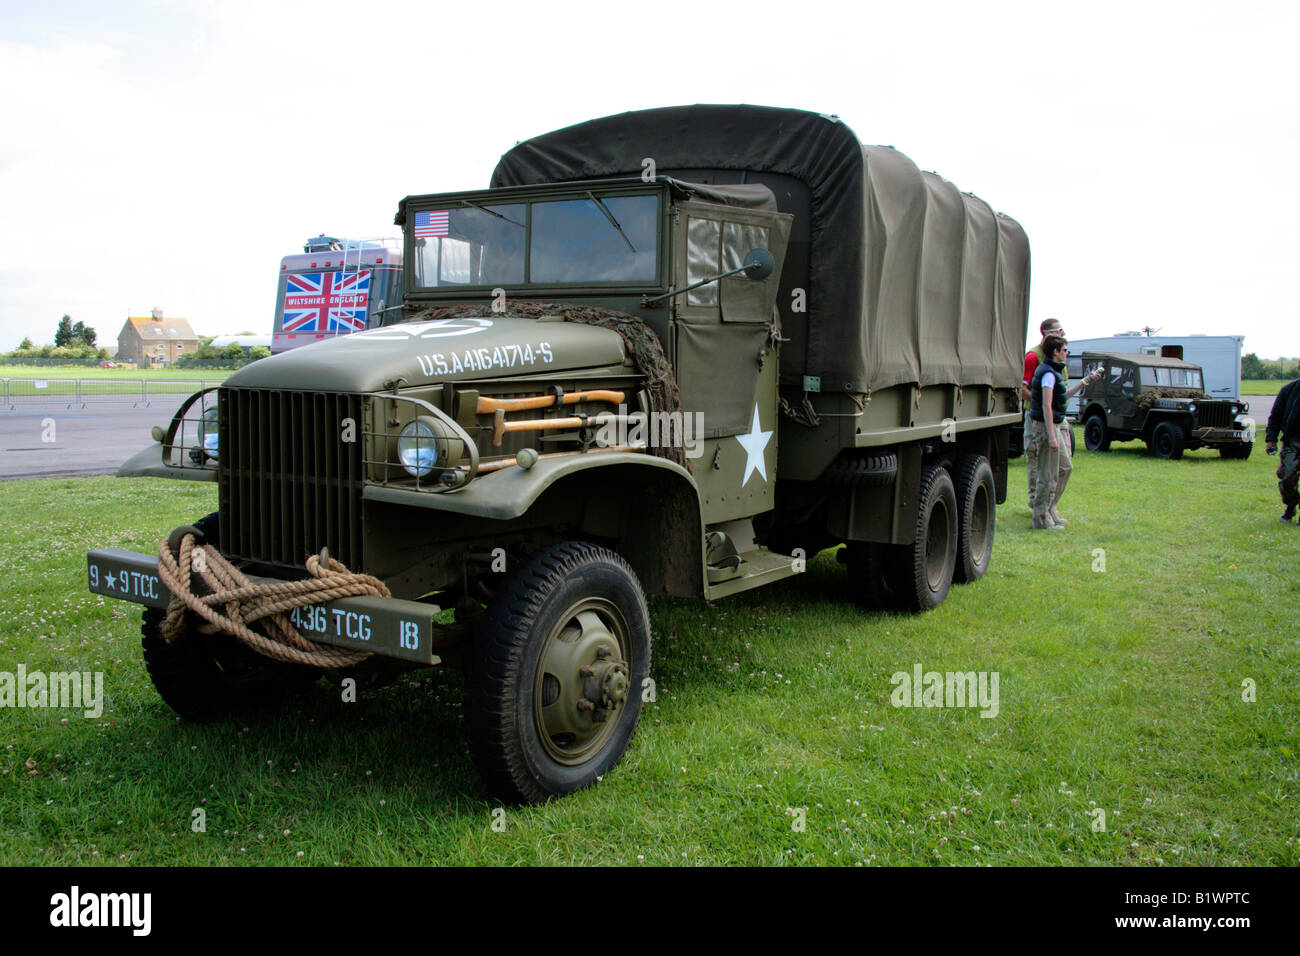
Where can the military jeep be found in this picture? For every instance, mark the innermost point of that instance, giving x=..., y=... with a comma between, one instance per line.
x=674, y=352
x=1161, y=401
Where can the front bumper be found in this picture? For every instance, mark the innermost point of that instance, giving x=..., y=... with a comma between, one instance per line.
x=1222, y=436
x=390, y=627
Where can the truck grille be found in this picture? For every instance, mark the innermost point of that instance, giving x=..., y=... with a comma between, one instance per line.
x=1214, y=414
x=289, y=484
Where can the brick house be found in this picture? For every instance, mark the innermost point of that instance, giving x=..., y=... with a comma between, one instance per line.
x=155, y=340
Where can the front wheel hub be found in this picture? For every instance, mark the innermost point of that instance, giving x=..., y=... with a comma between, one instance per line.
x=583, y=681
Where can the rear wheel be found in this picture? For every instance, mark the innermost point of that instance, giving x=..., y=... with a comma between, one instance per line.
x=1096, y=436
x=977, y=515
x=556, y=673
x=926, y=573
x=1167, y=441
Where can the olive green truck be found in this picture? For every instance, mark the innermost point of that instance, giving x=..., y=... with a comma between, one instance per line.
x=670, y=352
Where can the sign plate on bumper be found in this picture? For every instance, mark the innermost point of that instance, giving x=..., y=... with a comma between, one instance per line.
x=387, y=626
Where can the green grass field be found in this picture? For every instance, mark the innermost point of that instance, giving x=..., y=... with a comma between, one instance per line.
x=1122, y=645
x=1261, y=386
x=71, y=382
x=114, y=374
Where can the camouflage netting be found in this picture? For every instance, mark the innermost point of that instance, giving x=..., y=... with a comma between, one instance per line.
x=1145, y=400
x=640, y=339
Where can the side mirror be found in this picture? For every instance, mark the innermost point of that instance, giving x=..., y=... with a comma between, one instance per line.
x=759, y=264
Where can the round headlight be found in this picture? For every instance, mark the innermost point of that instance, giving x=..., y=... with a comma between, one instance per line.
x=417, y=448
x=1191, y=407
x=208, y=432
x=426, y=444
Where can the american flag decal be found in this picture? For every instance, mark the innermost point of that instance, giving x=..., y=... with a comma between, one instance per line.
x=326, y=301
x=435, y=223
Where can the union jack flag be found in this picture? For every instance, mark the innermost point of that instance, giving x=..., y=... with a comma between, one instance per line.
x=326, y=301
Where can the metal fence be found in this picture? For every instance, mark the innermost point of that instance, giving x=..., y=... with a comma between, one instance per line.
x=19, y=393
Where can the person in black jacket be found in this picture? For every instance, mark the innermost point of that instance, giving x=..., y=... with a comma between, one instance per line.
x=1284, y=426
x=1046, y=432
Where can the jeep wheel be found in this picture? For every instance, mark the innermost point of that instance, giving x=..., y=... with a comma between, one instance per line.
x=556, y=673
x=976, y=517
x=1236, y=451
x=205, y=677
x=926, y=574
x=1096, y=436
x=1167, y=441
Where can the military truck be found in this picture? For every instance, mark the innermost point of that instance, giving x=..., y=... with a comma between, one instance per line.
x=670, y=352
x=1161, y=401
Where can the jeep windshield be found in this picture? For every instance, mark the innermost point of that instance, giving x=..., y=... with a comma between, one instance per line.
x=592, y=240
x=1171, y=377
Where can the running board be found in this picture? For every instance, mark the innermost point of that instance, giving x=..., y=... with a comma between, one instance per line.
x=757, y=567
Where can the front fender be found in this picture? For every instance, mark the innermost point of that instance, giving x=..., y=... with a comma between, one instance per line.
x=168, y=458
x=658, y=525
x=508, y=493
x=148, y=463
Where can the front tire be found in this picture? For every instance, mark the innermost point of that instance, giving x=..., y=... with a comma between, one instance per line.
x=1167, y=441
x=1096, y=436
x=207, y=677
x=556, y=673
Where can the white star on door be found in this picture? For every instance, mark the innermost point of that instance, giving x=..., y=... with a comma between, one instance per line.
x=754, y=442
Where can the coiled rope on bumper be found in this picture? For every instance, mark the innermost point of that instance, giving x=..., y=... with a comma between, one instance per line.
x=233, y=603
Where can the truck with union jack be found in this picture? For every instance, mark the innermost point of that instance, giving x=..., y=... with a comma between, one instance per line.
x=334, y=287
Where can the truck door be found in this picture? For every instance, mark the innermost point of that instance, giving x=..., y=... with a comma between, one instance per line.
x=725, y=355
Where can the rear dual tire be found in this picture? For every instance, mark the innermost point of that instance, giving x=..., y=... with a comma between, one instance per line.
x=913, y=577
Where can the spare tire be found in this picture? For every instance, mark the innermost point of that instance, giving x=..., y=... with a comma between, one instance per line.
x=861, y=471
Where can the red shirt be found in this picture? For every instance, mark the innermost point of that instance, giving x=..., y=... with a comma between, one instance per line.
x=1031, y=365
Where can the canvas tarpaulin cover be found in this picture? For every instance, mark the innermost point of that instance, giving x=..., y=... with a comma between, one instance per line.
x=905, y=278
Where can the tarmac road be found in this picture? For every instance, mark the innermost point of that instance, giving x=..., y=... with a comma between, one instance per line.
x=97, y=439
x=88, y=441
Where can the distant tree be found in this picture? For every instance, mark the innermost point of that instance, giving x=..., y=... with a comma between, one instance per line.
x=1252, y=367
x=258, y=352
x=81, y=330
x=63, y=334
x=234, y=352
x=245, y=333
x=25, y=344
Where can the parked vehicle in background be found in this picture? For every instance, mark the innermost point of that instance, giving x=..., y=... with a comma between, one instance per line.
x=1161, y=401
x=335, y=287
x=1219, y=357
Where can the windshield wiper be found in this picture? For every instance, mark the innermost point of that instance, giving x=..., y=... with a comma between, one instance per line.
x=485, y=209
x=612, y=221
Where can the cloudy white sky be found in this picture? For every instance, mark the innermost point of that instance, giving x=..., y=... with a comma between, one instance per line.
x=168, y=154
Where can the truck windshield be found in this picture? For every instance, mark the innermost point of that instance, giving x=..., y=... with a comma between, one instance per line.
x=1172, y=377
x=593, y=240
